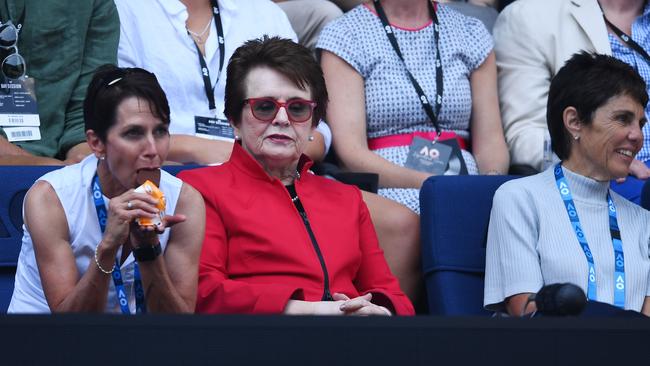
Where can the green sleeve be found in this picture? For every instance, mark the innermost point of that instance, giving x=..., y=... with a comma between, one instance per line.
x=100, y=48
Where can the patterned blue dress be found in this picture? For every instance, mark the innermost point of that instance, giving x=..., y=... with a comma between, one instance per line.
x=392, y=105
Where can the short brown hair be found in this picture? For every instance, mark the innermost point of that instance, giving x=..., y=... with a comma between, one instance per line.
x=282, y=55
x=110, y=86
x=587, y=81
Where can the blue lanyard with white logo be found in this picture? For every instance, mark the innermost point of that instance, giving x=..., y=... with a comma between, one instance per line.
x=102, y=215
x=619, y=259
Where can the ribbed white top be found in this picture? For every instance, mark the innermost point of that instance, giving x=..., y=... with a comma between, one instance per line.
x=531, y=242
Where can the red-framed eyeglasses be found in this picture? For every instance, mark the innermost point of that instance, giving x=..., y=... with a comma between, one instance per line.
x=265, y=109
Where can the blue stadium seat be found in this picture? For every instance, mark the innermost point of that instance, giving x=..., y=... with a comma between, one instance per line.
x=454, y=214
x=15, y=181
x=645, y=195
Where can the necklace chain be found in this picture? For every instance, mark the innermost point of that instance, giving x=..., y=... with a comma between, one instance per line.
x=198, y=37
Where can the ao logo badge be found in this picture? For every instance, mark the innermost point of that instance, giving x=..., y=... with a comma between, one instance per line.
x=122, y=297
x=204, y=70
x=564, y=189
x=620, y=283
x=592, y=274
x=578, y=229
x=424, y=99
x=571, y=210
x=619, y=261
x=388, y=29
x=97, y=196
x=430, y=152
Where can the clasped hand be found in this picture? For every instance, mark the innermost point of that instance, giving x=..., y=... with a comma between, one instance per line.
x=124, y=209
x=343, y=305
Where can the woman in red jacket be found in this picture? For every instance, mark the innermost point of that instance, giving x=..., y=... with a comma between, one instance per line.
x=280, y=239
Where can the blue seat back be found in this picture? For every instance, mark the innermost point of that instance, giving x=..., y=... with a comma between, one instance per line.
x=454, y=214
x=645, y=195
x=15, y=181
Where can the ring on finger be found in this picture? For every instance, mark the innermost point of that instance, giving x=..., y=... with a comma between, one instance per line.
x=129, y=205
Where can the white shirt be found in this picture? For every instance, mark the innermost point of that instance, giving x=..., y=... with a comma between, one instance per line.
x=153, y=37
x=73, y=187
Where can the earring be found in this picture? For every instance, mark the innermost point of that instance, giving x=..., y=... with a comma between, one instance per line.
x=237, y=138
x=576, y=137
x=311, y=138
x=102, y=157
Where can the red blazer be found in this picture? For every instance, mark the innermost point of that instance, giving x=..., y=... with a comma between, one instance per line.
x=257, y=253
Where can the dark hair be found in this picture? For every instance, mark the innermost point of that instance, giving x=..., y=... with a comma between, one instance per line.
x=110, y=86
x=282, y=55
x=586, y=82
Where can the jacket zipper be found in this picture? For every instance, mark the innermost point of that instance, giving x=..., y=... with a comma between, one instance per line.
x=327, y=296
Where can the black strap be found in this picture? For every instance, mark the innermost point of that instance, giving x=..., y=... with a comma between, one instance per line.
x=327, y=294
x=433, y=116
x=627, y=39
x=207, y=82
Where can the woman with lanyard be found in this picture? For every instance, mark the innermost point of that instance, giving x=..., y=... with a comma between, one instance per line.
x=280, y=239
x=403, y=69
x=565, y=224
x=381, y=61
x=187, y=44
x=83, y=250
x=534, y=38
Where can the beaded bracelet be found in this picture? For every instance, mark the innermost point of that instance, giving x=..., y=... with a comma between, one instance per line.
x=99, y=266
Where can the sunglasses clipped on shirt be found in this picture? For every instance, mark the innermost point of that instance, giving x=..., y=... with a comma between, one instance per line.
x=265, y=109
x=13, y=64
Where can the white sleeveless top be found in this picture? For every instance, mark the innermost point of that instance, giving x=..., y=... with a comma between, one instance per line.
x=73, y=186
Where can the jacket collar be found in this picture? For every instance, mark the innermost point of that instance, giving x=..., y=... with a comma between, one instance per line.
x=589, y=17
x=243, y=161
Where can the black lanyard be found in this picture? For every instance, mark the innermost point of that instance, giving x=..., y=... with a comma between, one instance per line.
x=433, y=116
x=626, y=38
x=327, y=294
x=207, y=82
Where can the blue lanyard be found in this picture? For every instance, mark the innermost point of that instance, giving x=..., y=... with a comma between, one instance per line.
x=619, y=259
x=102, y=216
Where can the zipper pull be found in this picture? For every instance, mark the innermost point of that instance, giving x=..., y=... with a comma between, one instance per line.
x=327, y=296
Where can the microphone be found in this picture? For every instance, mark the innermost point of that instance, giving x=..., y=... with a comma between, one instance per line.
x=560, y=299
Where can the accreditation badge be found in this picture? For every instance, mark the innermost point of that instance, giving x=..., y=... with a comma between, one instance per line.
x=19, y=110
x=213, y=128
x=428, y=156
